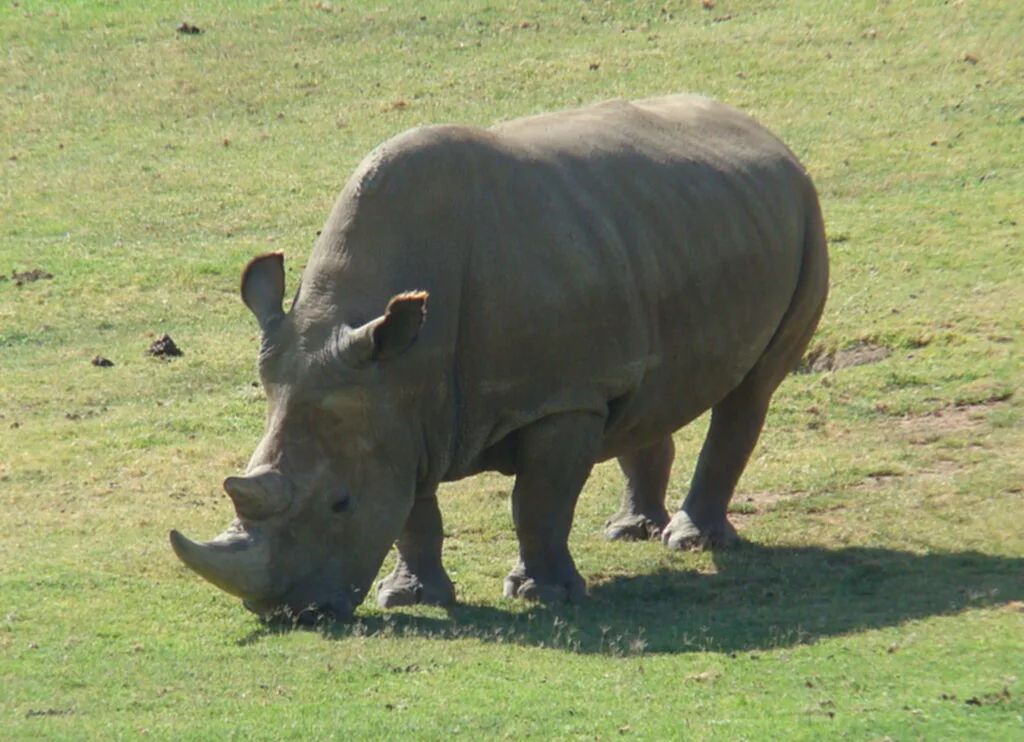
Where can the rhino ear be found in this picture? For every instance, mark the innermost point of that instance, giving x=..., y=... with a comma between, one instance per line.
x=391, y=335
x=263, y=288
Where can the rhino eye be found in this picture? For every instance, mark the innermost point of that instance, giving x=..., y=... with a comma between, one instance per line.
x=340, y=505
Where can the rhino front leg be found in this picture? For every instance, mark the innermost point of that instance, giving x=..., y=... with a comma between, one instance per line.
x=554, y=457
x=736, y=424
x=419, y=575
x=643, y=514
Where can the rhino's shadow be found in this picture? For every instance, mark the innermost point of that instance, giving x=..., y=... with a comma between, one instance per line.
x=759, y=598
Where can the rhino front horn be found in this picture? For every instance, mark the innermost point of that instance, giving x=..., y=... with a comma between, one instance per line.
x=236, y=561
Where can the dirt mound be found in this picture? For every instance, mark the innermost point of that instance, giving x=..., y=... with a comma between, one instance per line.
x=819, y=360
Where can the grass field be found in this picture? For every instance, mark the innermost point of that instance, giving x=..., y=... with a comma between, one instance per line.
x=879, y=593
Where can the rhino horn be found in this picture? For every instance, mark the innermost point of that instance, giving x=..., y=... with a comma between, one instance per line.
x=258, y=495
x=236, y=561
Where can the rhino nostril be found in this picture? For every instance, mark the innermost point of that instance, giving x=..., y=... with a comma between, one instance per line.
x=340, y=505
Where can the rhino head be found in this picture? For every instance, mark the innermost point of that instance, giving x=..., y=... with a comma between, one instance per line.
x=332, y=482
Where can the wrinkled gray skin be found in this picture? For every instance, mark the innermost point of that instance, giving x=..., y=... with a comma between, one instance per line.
x=597, y=279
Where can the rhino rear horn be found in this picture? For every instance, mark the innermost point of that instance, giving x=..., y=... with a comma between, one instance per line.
x=258, y=495
x=263, y=288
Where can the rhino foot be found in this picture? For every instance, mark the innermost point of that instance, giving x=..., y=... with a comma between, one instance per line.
x=402, y=587
x=555, y=585
x=634, y=526
x=682, y=534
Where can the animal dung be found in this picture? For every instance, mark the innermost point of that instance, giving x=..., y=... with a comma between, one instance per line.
x=164, y=348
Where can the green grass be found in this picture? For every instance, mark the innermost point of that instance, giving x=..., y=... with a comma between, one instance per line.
x=880, y=592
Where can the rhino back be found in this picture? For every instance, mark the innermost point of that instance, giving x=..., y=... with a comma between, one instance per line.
x=636, y=260
x=633, y=260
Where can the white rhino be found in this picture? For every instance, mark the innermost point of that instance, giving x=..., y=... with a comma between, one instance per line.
x=597, y=279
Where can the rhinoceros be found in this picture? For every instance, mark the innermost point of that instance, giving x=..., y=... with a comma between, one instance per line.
x=595, y=278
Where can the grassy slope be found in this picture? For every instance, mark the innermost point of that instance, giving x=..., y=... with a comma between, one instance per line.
x=142, y=168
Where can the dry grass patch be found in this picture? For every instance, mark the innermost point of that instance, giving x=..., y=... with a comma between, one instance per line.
x=933, y=426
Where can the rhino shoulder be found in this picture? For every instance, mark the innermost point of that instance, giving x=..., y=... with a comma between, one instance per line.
x=424, y=152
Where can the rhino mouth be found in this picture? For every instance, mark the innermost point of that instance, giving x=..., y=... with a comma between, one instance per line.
x=239, y=562
x=340, y=608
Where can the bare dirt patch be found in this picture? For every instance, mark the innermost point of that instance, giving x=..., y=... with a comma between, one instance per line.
x=36, y=274
x=939, y=471
x=47, y=712
x=879, y=481
x=818, y=360
x=746, y=506
x=930, y=427
x=942, y=470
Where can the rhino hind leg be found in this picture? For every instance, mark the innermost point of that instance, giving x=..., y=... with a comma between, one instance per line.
x=419, y=576
x=642, y=514
x=737, y=420
x=553, y=458
x=736, y=424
